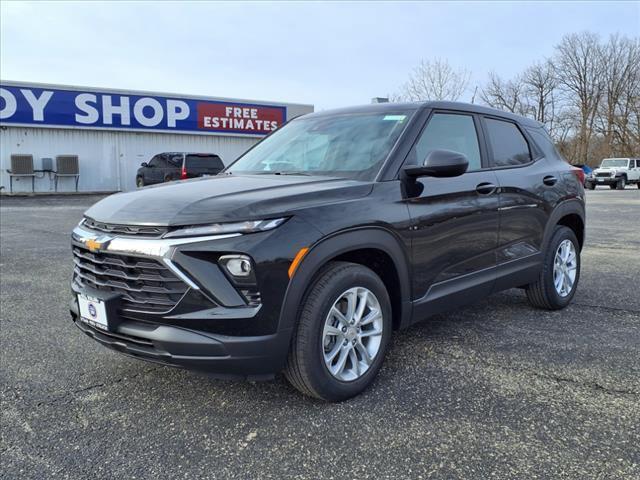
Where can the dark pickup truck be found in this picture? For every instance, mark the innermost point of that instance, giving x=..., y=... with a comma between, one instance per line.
x=169, y=166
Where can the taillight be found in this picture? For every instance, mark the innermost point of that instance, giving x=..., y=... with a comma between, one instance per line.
x=183, y=173
x=579, y=173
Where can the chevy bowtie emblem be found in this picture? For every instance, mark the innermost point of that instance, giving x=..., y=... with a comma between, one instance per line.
x=93, y=245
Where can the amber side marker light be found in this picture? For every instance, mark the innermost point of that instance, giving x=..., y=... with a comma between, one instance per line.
x=296, y=261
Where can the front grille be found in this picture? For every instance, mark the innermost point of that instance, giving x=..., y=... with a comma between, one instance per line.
x=252, y=297
x=145, y=284
x=603, y=174
x=138, y=230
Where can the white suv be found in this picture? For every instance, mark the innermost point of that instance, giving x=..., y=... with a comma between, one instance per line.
x=615, y=172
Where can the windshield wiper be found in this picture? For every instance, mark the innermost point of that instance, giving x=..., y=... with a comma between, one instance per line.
x=307, y=174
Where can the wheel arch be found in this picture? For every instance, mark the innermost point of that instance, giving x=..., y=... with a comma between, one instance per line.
x=571, y=214
x=373, y=247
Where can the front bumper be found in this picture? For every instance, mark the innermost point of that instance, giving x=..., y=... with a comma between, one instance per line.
x=211, y=323
x=603, y=180
x=223, y=356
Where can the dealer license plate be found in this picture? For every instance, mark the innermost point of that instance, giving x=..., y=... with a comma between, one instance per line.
x=93, y=311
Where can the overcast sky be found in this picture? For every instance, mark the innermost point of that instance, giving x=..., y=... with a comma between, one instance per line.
x=326, y=54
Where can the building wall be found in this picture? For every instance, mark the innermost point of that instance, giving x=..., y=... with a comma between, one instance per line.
x=108, y=159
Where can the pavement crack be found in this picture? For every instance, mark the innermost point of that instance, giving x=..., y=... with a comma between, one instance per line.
x=548, y=376
x=95, y=386
x=603, y=307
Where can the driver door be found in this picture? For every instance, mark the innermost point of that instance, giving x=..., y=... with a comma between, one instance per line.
x=454, y=221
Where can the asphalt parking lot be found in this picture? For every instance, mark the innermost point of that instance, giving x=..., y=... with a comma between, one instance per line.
x=495, y=390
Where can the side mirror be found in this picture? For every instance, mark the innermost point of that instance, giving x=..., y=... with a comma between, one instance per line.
x=439, y=163
x=144, y=164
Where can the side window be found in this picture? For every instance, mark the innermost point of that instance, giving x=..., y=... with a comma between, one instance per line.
x=175, y=161
x=450, y=131
x=507, y=143
x=155, y=161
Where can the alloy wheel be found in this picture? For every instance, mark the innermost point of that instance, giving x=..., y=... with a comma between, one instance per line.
x=565, y=267
x=352, y=334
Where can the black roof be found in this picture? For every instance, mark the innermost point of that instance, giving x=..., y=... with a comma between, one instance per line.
x=412, y=106
x=201, y=154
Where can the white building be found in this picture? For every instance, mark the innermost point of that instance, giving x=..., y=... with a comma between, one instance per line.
x=113, y=131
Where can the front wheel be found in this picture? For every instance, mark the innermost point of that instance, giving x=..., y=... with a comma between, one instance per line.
x=342, y=335
x=139, y=182
x=560, y=273
x=622, y=183
x=591, y=186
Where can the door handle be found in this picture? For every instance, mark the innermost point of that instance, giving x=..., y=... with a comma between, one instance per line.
x=486, y=188
x=549, y=180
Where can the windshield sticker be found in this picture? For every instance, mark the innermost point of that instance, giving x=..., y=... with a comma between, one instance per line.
x=395, y=118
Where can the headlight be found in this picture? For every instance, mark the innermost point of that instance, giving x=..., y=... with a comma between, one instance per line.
x=223, y=228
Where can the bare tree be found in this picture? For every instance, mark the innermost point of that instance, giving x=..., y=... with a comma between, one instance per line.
x=587, y=94
x=505, y=94
x=621, y=69
x=540, y=84
x=435, y=80
x=579, y=69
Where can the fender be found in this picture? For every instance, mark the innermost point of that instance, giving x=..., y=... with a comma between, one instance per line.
x=334, y=245
x=566, y=207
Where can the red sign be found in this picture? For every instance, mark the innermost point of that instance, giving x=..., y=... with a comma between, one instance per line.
x=239, y=118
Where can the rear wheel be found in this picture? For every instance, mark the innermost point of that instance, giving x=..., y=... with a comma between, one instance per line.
x=342, y=335
x=139, y=182
x=622, y=183
x=591, y=186
x=168, y=178
x=560, y=273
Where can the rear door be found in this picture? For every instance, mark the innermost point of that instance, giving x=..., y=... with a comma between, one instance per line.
x=635, y=175
x=528, y=183
x=199, y=165
x=174, y=167
x=454, y=221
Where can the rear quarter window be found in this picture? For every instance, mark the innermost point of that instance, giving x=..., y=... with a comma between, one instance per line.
x=544, y=142
x=212, y=162
x=508, y=144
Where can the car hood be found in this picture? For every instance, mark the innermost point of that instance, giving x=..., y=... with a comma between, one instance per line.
x=224, y=198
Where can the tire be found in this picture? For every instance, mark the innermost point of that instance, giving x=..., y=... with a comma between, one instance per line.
x=612, y=186
x=306, y=367
x=543, y=292
x=622, y=182
x=638, y=184
x=139, y=182
x=591, y=186
x=168, y=178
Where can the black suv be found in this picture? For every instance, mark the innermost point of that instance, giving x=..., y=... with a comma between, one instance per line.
x=169, y=166
x=310, y=250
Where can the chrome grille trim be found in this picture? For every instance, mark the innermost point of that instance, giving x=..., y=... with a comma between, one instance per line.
x=142, y=230
x=144, y=285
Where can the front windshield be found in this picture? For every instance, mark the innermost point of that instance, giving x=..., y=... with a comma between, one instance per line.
x=614, y=162
x=344, y=145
